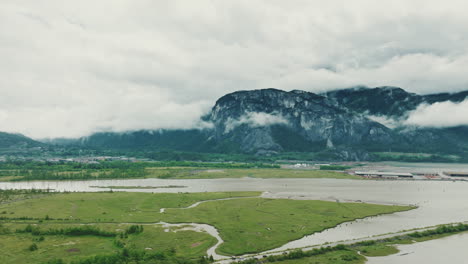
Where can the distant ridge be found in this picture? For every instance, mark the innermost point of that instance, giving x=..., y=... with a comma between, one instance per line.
x=10, y=140
x=269, y=121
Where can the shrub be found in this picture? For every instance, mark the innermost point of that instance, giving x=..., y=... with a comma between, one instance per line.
x=32, y=247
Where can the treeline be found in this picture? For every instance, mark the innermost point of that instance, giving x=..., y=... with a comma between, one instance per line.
x=446, y=229
x=335, y=167
x=79, y=231
x=68, y=166
x=441, y=230
x=298, y=254
x=196, y=156
x=81, y=175
x=224, y=165
x=9, y=167
x=134, y=256
x=27, y=218
x=34, y=170
x=69, y=231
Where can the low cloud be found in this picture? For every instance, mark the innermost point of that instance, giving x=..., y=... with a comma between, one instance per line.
x=385, y=120
x=444, y=114
x=69, y=71
x=254, y=119
x=120, y=110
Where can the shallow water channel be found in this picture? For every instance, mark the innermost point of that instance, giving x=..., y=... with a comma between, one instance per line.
x=439, y=202
x=450, y=249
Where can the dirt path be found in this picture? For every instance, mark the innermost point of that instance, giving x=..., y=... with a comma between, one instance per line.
x=162, y=210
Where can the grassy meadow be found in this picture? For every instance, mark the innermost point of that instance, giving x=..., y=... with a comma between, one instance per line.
x=246, y=223
x=206, y=173
x=14, y=247
x=255, y=224
x=112, y=207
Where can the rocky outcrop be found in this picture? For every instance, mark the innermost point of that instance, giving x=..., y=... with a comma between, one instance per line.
x=248, y=118
x=392, y=102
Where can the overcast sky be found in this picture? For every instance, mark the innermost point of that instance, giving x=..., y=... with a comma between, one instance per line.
x=70, y=68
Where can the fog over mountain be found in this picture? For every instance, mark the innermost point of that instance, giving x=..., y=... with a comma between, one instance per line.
x=70, y=69
x=443, y=114
x=347, y=124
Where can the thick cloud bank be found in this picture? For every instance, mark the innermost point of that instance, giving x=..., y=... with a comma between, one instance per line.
x=445, y=114
x=70, y=68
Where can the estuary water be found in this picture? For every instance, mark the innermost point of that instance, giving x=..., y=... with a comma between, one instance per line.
x=439, y=202
x=450, y=249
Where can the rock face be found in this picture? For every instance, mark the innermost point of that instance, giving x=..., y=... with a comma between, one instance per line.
x=254, y=118
x=348, y=123
x=386, y=101
x=392, y=106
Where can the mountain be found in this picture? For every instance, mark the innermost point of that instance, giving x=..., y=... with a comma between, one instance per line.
x=392, y=105
x=380, y=101
x=274, y=120
x=388, y=101
x=15, y=142
x=343, y=124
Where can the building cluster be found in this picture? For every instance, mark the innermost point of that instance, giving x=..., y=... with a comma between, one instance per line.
x=382, y=174
x=85, y=160
x=92, y=159
x=411, y=175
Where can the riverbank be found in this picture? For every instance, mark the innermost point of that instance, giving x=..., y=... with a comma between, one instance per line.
x=354, y=251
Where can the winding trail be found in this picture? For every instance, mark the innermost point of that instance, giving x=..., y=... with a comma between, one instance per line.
x=162, y=210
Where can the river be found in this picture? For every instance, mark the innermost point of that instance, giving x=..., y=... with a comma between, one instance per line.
x=450, y=249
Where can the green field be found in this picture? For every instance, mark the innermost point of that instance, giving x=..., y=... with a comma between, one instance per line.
x=245, y=224
x=14, y=246
x=28, y=171
x=197, y=173
x=109, y=207
x=178, y=173
x=256, y=224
